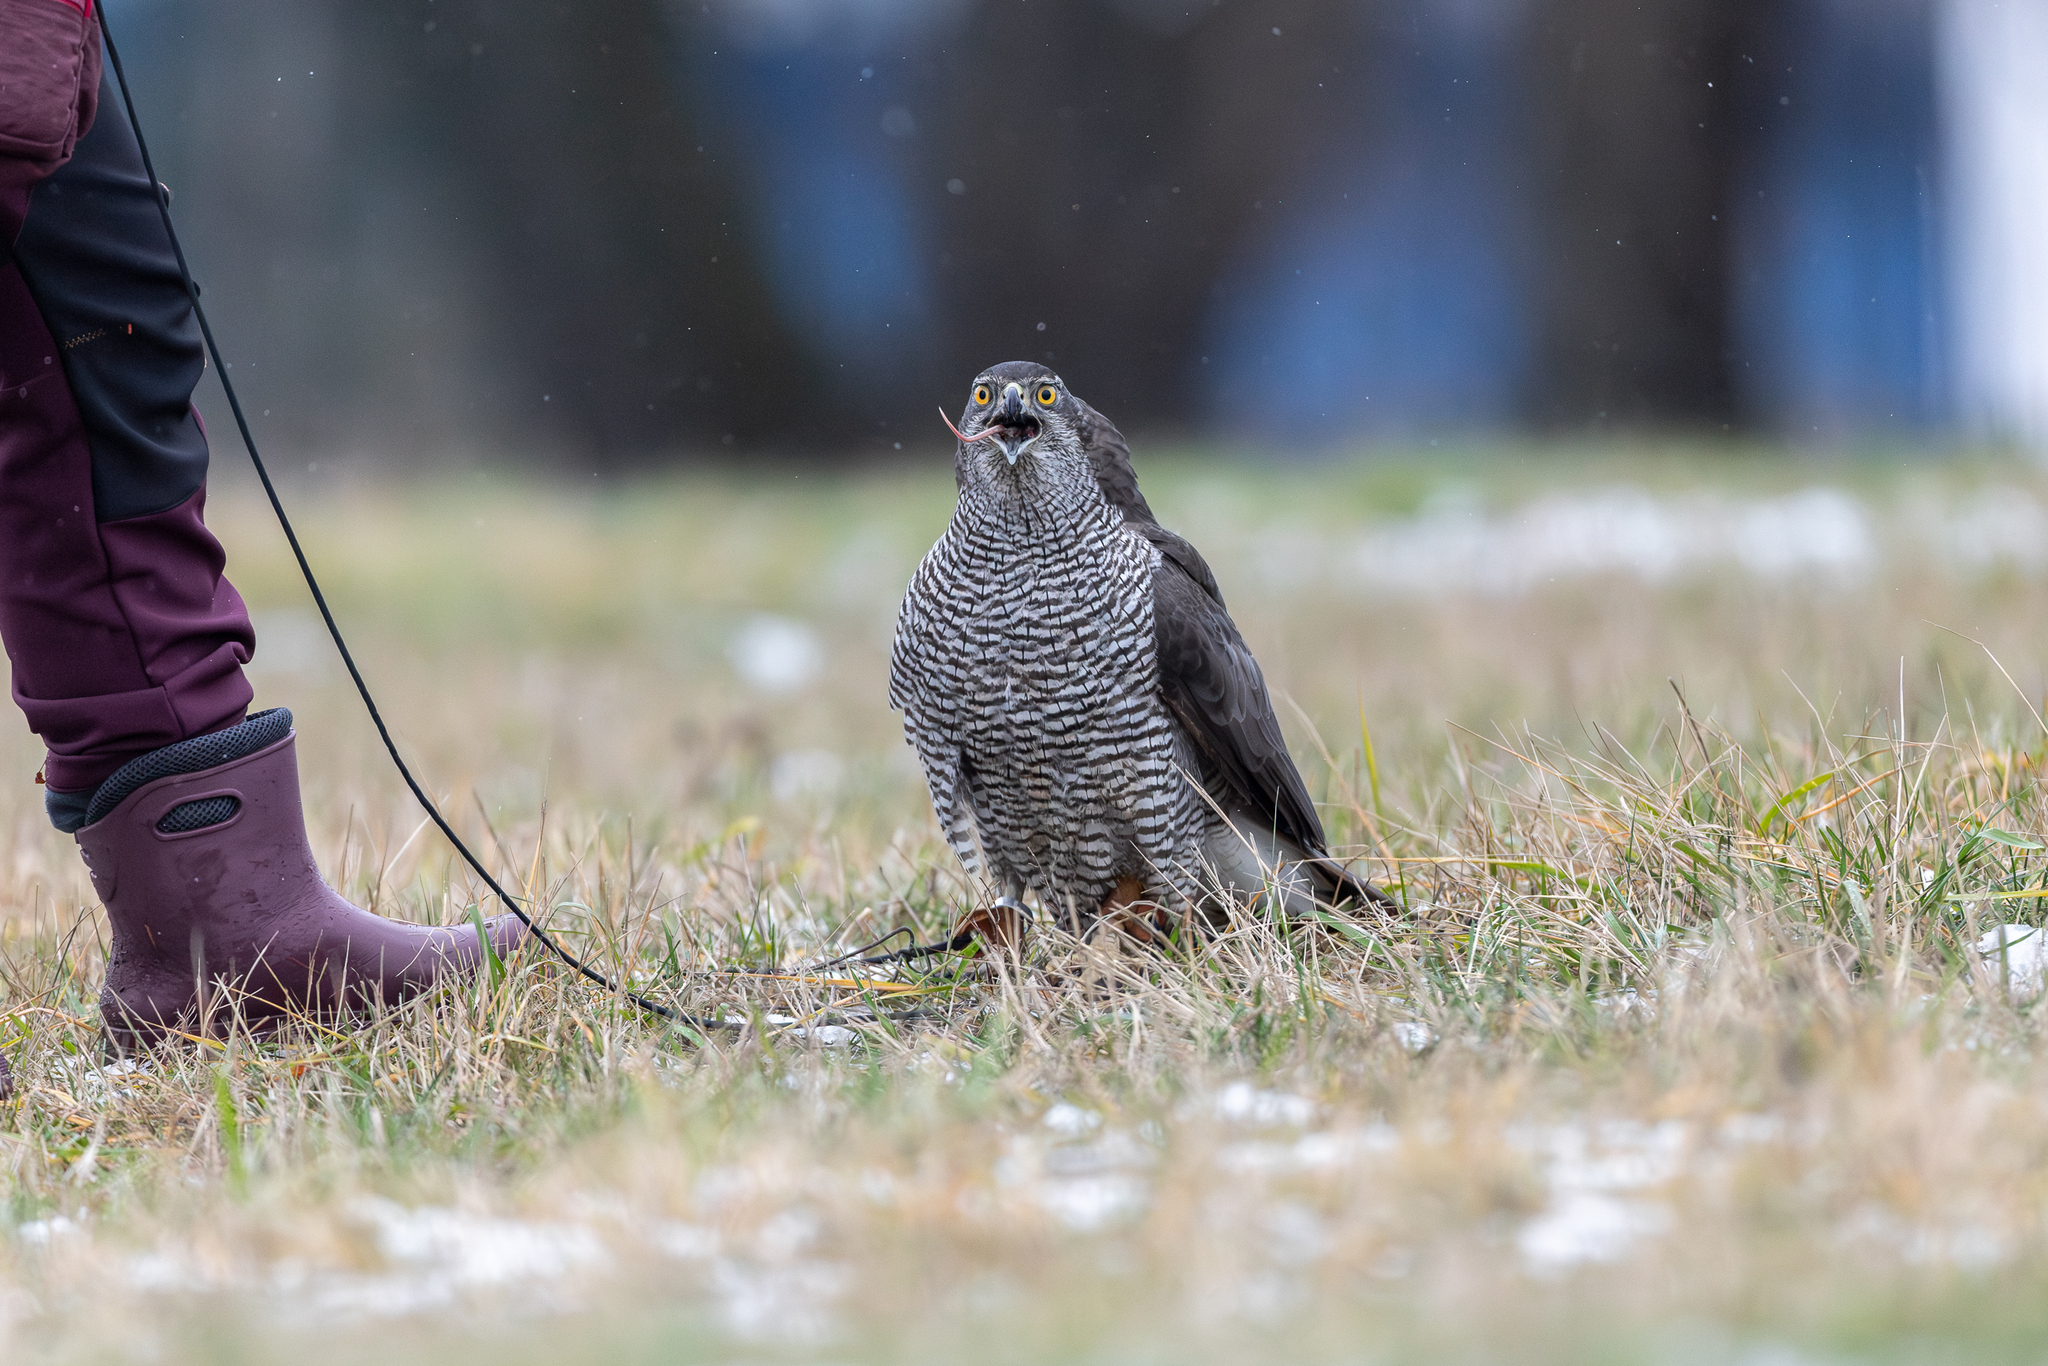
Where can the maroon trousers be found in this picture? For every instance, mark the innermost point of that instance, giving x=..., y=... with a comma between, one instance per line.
x=122, y=634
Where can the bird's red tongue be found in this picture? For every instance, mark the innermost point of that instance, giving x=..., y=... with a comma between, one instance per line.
x=982, y=435
x=1023, y=431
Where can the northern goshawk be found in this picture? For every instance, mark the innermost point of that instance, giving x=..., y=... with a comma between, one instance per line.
x=1091, y=725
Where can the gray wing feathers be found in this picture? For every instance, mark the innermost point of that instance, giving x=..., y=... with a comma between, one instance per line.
x=1213, y=687
x=1209, y=680
x=1207, y=676
x=1109, y=457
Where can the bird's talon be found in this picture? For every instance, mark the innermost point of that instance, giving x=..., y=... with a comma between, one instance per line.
x=1126, y=908
x=999, y=925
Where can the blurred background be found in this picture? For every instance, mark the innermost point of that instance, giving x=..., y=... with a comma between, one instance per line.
x=620, y=234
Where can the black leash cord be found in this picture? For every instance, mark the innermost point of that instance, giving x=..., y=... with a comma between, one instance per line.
x=320, y=599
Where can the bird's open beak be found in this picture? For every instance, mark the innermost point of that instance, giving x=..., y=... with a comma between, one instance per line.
x=1016, y=430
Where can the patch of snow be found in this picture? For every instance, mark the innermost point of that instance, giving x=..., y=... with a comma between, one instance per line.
x=2024, y=952
x=1299, y=1236
x=792, y=1302
x=1242, y=1103
x=878, y=1186
x=1999, y=526
x=1112, y=1152
x=786, y=1234
x=1412, y=1035
x=831, y=1036
x=1309, y=1153
x=1454, y=547
x=1586, y=1226
x=684, y=1242
x=43, y=1232
x=776, y=655
x=1084, y=1186
x=1744, y=1130
x=805, y=773
x=1964, y=1246
x=1269, y=1297
x=1394, y=1263
x=437, y=1257
x=450, y=1251
x=98, y=1085
x=1071, y=1121
x=1592, y=1173
x=1971, y=1247
x=1088, y=1204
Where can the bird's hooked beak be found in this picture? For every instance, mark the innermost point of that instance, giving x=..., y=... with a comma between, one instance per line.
x=1016, y=430
x=1009, y=425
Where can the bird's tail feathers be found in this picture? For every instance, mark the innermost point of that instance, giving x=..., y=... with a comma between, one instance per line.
x=1342, y=887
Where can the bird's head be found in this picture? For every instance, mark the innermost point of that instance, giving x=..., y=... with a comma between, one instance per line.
x=1018, y=427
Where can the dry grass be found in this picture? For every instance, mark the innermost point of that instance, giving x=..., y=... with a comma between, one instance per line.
x=1685, y=1050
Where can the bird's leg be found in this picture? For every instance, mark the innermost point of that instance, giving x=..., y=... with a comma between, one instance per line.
x=1126, y=909
x=999, y=925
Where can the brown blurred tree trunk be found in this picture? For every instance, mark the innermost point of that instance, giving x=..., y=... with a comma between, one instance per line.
x=1112, y=172
x=1643, y=132
x=622, y=292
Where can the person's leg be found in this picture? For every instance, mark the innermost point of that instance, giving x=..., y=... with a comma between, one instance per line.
x=127, y=644
x=122, y=634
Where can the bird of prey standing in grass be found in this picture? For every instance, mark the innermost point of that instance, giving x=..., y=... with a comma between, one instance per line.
x=1092, y=727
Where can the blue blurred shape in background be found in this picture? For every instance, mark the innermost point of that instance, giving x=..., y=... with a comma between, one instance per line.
x=1305, y=223
x=1837, y=290
x=1384, y=296
x=808, y=99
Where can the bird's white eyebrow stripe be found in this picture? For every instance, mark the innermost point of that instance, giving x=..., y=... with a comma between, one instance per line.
x=1053, y=380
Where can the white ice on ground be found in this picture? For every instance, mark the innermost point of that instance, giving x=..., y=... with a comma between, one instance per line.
x=1317, y=1152
x=435, y=1257
x=1242, y=1103
x=478, y=1249
x=1818, y=535
x=831, y=1036
x=1088, y=1204
x=1596, y=1175
x=1960, y=1243
x=1997, y=526
x=115, y=1081
x=1084, y=1186
x=2024, y=952
x=1626, y=531
x=1587, y=1226
x=684, y=1242
x=805, y=773
x=1412, y=1035
x=775, y=654
x=789, y=1302
x=43, y=1232
x=1071, y=1121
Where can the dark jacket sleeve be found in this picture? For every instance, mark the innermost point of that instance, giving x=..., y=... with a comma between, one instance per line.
x=49, y=90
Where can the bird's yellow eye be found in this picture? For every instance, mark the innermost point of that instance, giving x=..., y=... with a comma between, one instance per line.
x=981, y=395
x=1047, y=396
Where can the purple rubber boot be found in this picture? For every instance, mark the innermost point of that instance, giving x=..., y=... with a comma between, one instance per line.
x=199, y=852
